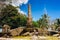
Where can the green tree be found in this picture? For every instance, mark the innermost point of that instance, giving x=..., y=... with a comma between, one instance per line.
x=10, y=16
x=35, y=24
x=43, y=21
x=23, y=20
x=57, y=23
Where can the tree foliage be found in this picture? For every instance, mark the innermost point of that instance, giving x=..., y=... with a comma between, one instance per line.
x=10, y=16
x=35, y=24
x=23, y=20
x=57, y=23
x=43, y=21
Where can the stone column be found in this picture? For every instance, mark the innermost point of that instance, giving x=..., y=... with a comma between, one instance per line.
x=29, y=18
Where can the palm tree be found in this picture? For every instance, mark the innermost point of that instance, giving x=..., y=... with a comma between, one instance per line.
x=43, y=21
x=57, y=23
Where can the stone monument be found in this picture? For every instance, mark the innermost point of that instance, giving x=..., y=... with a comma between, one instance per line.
x=29, y=18
x=29, y=28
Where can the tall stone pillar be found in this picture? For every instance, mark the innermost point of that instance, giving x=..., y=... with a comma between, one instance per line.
x=29, y=18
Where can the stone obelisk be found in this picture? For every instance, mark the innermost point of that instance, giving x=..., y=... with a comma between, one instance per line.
x=29, y=18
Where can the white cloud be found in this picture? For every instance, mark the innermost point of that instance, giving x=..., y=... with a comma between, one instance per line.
x=20, y=11
x=17, y=3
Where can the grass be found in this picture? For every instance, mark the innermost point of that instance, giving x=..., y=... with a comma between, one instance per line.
x=28, y=37
x=23, y=37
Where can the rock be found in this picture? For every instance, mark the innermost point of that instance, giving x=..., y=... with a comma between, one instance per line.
x=27, y=33
x=5, y=28
x=17, y=31
x=34, y=37
x=56, y=35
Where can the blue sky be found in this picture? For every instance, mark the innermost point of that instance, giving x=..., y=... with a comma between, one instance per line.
x=37, y=8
